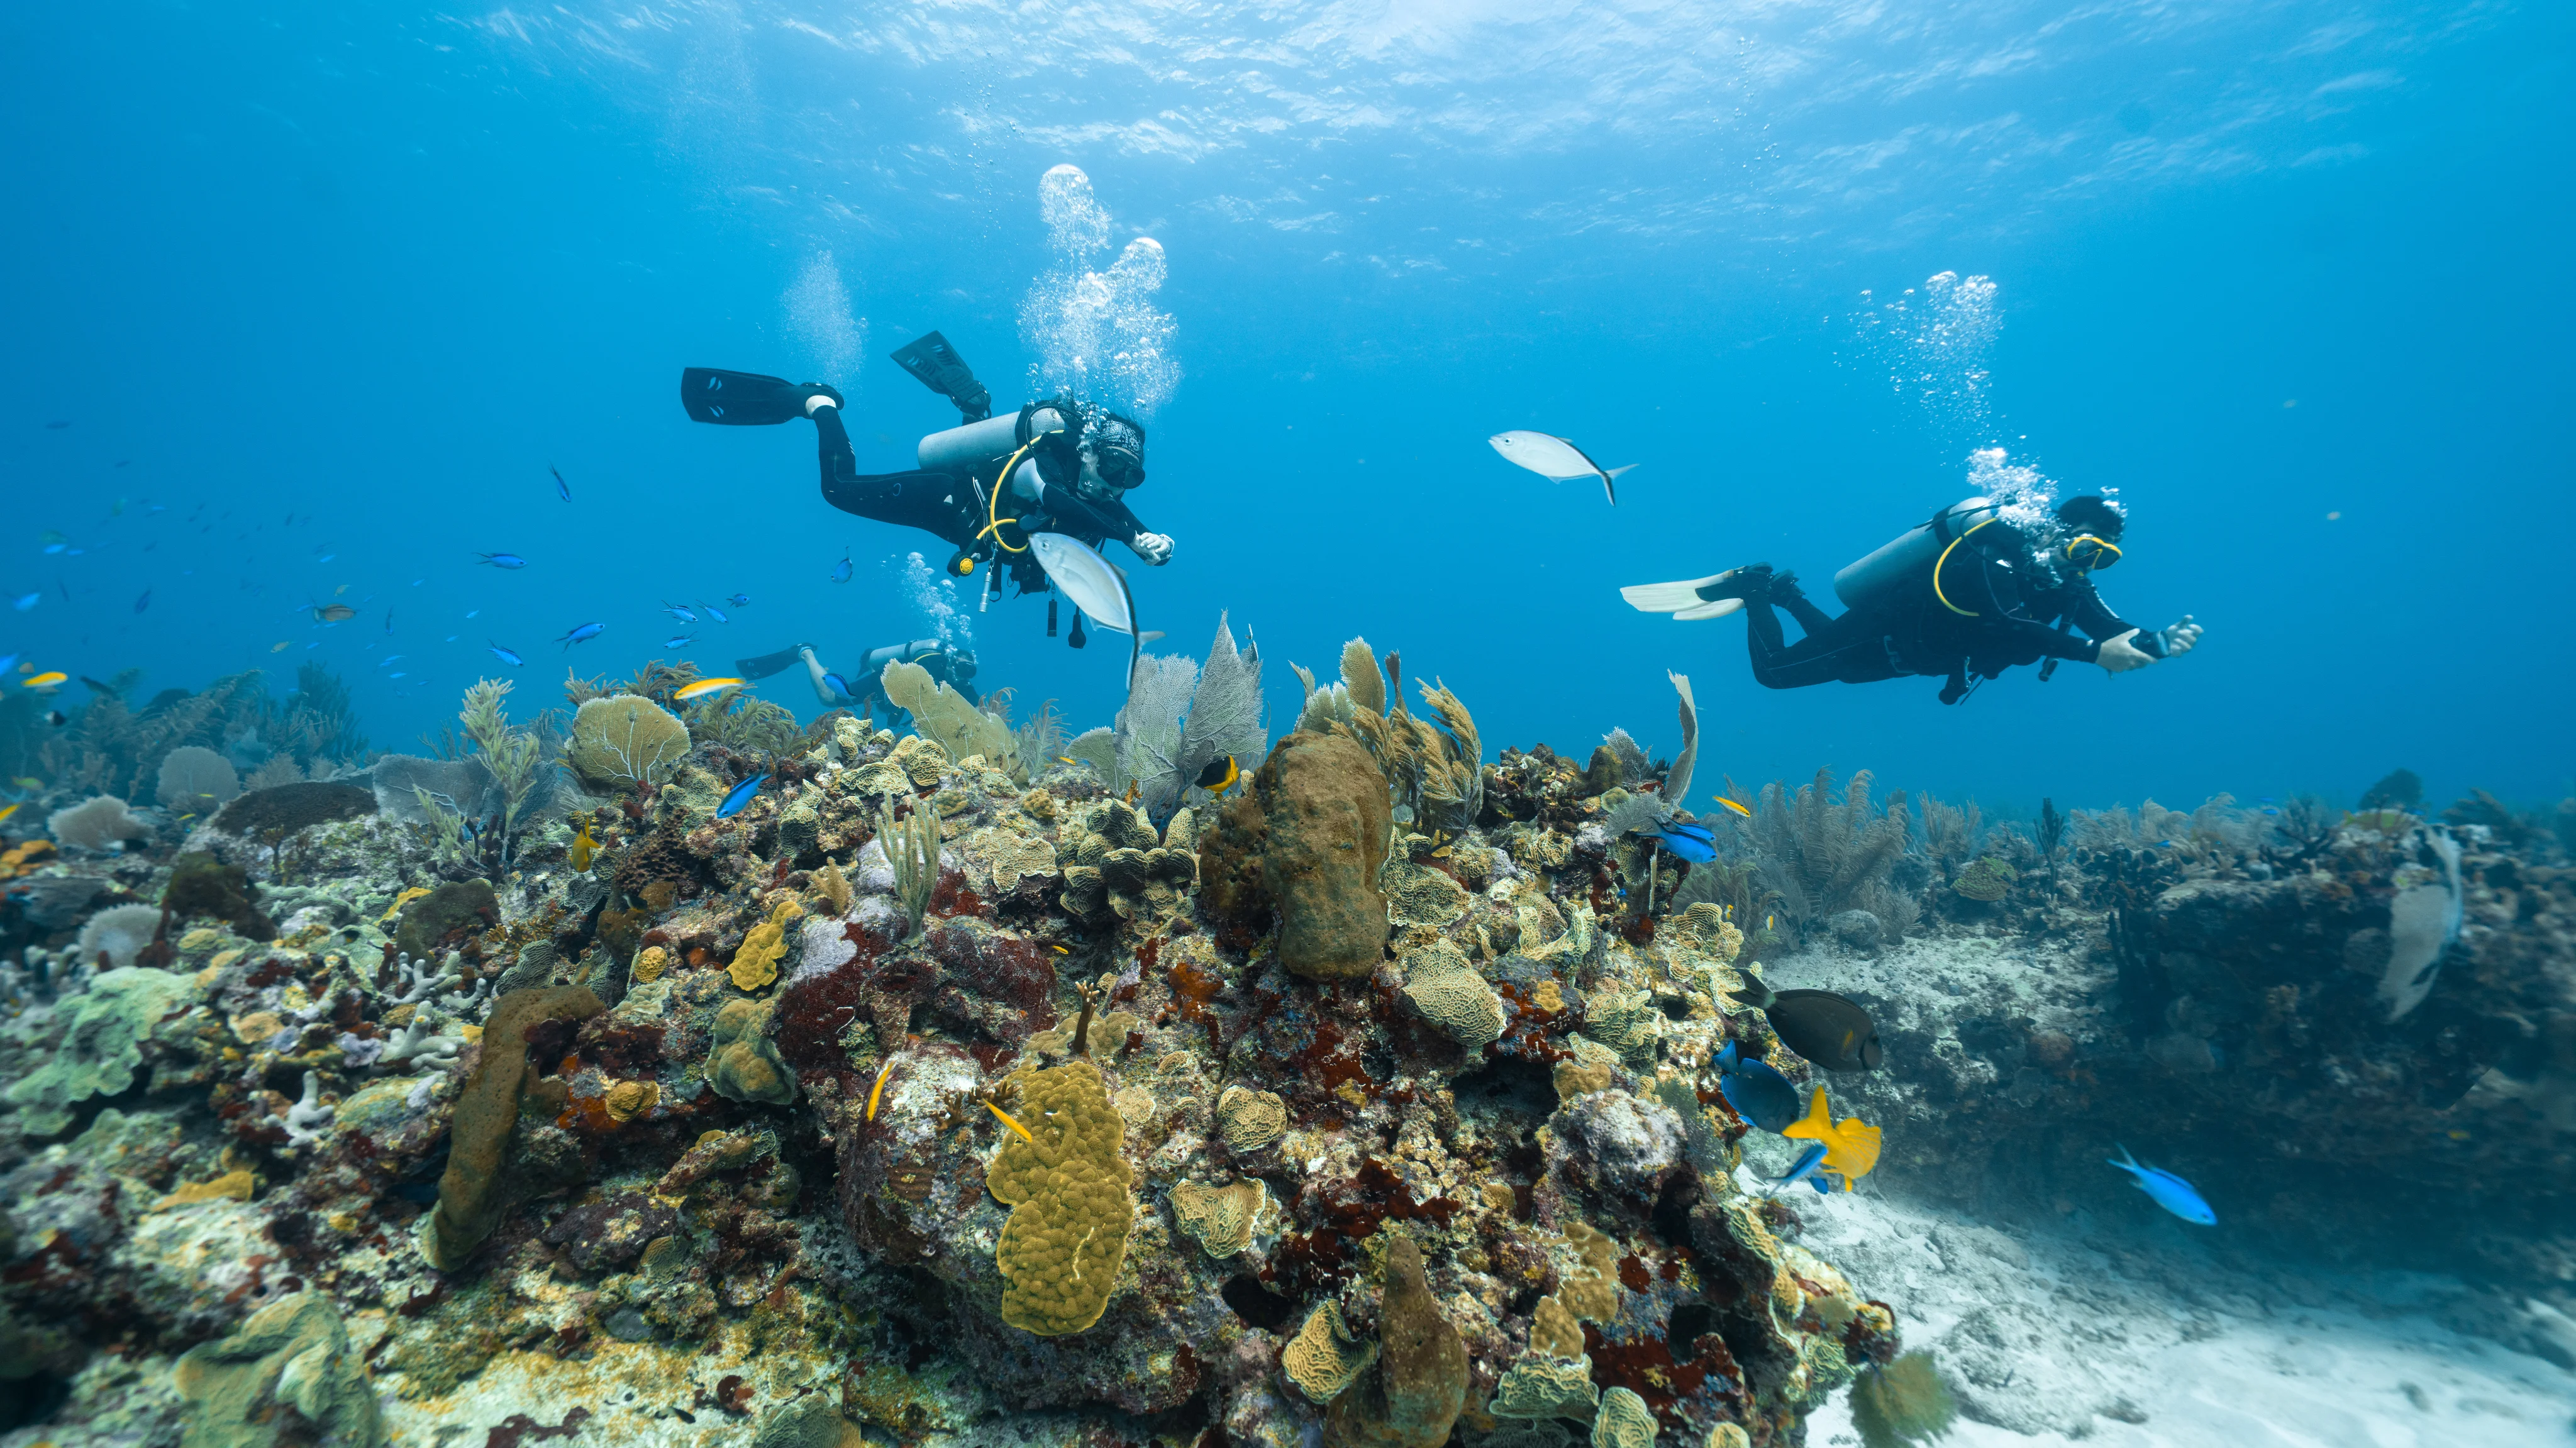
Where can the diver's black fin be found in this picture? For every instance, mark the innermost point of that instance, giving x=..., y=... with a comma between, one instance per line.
x=739, y=399
x=767, y=664
x=937, y=366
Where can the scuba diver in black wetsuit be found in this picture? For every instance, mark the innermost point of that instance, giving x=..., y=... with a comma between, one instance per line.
x=1069, y=466
x=1961, y=598
x=862, y=689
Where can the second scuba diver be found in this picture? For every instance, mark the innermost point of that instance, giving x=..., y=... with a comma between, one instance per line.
x=1961, y=598
x=862, y=690
x=1055, y=466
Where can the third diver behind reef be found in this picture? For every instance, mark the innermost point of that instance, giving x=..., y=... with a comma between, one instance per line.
x=1069, y=465
x=1961, y=598
x=862, y=690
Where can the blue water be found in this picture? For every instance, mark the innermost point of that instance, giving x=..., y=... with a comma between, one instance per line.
x=322, y=291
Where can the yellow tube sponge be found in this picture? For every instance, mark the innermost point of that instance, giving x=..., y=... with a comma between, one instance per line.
x=1068, y=1187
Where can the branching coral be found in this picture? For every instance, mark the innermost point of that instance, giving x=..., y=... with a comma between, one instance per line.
x=1822, y=857
x=512, y=755
x=911, y=847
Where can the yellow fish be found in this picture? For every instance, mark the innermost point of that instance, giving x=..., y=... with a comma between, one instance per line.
x=13, y=809
x=704, y=687
x=1728, y=804
x=45, y=680
x=281, y=646
x=1851, y=1149
x=584, y=848
x=1220, y=775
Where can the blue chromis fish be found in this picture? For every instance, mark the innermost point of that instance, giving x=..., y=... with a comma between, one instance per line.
x=715, y=613
x=741, y=796
x=582, y=634
x=505, y=560
x=1691, y=842
x=144, y=602
x=679, y=641
x=561, y=487
x=676, y=611
x=505, y=656
x=837, y=685
x=740, y=600
x=840, y=572
x=1758, y=1093
x=2168, y=1191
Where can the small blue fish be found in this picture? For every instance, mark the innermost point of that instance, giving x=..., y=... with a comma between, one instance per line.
x=679, y=641
x=741, y=796
x=2168, y=1191
x=26, y=601
x=841, y=572
x=505, y=656
x=740, y=600
x=472, y=612
x=837, y=685
x=582, y=634
x=397, y=674
x=714, y=613
x=1691, y=842
x=51, y=548
x=144, y=602
x=8, y=662
x=1804, y=1170
x=1758, y=1093
x=675, y=611
x=388, y=659
x=561, y=487
x=505, y=560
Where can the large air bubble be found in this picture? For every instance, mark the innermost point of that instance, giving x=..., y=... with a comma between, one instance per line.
x=1096, y=333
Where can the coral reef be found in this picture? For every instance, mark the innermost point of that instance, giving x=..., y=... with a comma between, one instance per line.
x=1363, y=1101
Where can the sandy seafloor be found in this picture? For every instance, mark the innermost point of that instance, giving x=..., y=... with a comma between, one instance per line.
x=2069, y=1332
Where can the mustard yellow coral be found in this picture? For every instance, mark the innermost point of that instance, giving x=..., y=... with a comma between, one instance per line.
x=1323, y=1358
x=1222, y=1219
x=756, y=963
x=1067, y=1186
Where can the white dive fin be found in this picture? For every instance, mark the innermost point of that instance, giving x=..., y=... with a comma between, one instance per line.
x=1668, y=597
x=1715, y=608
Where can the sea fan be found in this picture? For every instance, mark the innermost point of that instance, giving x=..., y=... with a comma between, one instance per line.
x=1902, y=1403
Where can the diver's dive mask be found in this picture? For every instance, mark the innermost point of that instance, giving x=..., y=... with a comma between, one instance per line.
x=1115, y=447
x=2091, y=552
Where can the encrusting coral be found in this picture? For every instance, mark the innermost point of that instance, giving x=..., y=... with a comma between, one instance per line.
x=1067, y=1184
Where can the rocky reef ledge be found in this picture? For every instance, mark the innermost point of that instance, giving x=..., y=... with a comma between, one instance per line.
x=947, y=1090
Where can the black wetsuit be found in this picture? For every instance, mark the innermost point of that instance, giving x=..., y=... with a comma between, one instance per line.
x=1996, y=607
x=957, y=509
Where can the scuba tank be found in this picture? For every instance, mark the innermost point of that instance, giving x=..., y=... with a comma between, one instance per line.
x=965, y=450
x=1898, y=572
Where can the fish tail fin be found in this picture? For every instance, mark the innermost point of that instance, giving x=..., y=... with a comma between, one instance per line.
x=1755, y=993
x=1622, y=468
x=2126, y=1161
x=1729, y=1057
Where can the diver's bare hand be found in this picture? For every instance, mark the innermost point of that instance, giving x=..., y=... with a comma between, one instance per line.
x=1154, y=548
x=2182, y=637
x=2119, y=656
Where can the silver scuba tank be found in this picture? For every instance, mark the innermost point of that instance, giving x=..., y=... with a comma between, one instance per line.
x=1905, y=563
x=963, y=450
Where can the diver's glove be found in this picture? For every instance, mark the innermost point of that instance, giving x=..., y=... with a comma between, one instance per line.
x=2180, y=638
x=820, y=394
x=1154, y=548
x=2119, y=656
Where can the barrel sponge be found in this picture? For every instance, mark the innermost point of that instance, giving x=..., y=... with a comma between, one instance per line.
x=625, y=742
x=1250, y=1120
x=470, y=1199
x=104, y=1028
x=1413, y=1398
x=1327, y=821
x=1323, y=1358
x=1068, y=1189
x=1625, y=1421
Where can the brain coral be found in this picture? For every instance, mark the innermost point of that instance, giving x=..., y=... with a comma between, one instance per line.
x=1067, y=1185
x=1250, y=1120
x=1323, y=1358
x=1625, y=1421
x=1220, y=1218
x=1451, y=995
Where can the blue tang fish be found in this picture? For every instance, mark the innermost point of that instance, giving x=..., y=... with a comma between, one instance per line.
x=582, y=634
x=741, y=796
x=1804, y=1170
x=505, y=656
x=1692, y=842
x=505, y=560
x=2169, y=1191
x=1758, y=1093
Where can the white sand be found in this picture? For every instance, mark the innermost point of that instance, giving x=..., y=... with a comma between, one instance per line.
x=2073, y=1331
